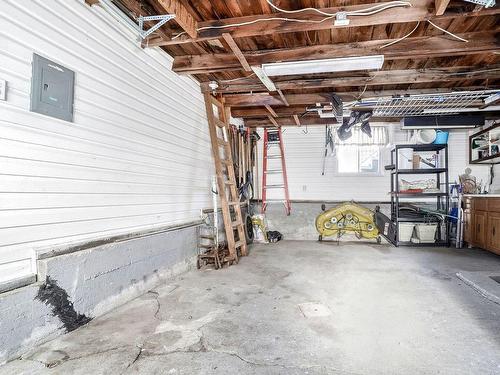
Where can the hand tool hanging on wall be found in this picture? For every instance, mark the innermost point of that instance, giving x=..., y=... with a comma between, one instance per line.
x=273, y=138
x=328, y=144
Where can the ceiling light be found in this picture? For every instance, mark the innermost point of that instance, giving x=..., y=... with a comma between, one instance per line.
x=342, y=64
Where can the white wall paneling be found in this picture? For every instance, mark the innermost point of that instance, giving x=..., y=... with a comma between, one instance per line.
x=137, y=155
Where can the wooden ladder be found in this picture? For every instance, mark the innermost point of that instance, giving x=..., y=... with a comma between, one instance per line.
x=218, y=122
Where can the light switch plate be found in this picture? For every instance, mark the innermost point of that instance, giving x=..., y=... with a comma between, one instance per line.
x=3, y=89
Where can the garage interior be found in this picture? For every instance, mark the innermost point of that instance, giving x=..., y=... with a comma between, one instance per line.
x=254, y=187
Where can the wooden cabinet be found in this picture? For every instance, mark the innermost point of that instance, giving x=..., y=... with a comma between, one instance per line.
x=482, y=222
x=493, y=232
x=468, y=225
x=479, y=234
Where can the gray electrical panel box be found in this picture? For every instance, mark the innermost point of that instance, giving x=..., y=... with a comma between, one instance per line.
x=52, y=89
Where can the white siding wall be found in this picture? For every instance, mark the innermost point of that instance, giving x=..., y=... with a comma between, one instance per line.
x=304, y=158
x=136, y=156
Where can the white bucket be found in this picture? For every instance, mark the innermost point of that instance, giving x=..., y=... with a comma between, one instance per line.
x=425, y=136
x=426, y=233
x=405, y=231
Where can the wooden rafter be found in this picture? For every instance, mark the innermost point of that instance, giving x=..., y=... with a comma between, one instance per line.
x=237, y=52
x=273, y=121
x=270, y=110
x=283, y=97
x=310, y=120
x=261, y=99
x=410, y=48
x=421, y=10
x=373, y=78
x=441, y=6
x=182, y=16
x=297, y=121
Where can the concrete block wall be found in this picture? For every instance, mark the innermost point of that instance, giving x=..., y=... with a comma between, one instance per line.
x=88, y=283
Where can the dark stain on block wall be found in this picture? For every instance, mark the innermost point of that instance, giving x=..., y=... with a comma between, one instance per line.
x=57, y=298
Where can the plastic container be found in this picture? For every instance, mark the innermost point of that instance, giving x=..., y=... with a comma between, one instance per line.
x=441, y=137
x=425, y=136
x=426, y=233
x=406, y=231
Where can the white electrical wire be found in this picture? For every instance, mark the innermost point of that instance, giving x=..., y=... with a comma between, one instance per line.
x=354, y=12
x=447, y=32
x=400, y=39
x=360, y=12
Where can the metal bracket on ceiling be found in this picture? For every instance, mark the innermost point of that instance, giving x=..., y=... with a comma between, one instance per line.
x=163, y=19
x=485, y=3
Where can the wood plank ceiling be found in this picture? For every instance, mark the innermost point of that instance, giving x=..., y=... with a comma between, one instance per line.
x=429, y=60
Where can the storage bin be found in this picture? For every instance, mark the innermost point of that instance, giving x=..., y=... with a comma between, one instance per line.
x=441, y=137
x=406, y=231
x=426, y=233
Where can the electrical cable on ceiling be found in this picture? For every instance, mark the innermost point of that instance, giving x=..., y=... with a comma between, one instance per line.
x=403, y=38
x=354, y=12
x=447, y=32
x=360, y=12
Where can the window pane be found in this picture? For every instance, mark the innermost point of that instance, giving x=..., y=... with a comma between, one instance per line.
x=369, y=159
x=347, y=157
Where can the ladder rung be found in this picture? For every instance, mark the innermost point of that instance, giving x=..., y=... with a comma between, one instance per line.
x=275, y=201
x=233, y=203
x=206, y=237
x=222, y=142
x=273, y=143
x=273, y=157
x=219, y=123
x=229, y=183
x=236, y=223
x=238, y=244
x=273, y=171
x=274, y=186
x=206, y=246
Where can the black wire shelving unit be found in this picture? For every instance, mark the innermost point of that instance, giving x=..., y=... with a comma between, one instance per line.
x=441, y=198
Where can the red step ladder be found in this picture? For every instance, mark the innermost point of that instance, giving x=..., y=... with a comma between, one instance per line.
x=273, y=141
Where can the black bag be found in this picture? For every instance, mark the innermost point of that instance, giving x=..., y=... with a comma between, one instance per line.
x=274, y=236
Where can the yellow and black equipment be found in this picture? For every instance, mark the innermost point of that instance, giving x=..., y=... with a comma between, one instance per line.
x=345, y=218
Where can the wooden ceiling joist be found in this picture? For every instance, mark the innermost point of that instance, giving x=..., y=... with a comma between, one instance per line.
x=441, y=6
x=410, y=48
x=261, y=99
x=182, y=16
x=257, y=25
x=307, y=120
x=372, y=78
x=270, y=110
x=236, y=51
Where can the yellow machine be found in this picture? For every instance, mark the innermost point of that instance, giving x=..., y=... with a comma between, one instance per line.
x=348, y=217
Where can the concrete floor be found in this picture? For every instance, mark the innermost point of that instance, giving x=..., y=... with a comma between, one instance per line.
x=296, y=307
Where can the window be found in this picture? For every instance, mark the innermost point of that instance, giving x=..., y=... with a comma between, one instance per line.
x=361, y=154
x=358, y=159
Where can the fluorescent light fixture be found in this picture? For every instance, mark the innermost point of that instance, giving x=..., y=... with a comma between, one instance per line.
x=343, y=64
x=264, y=78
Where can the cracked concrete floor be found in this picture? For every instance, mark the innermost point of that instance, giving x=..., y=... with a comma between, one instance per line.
x=296, y=307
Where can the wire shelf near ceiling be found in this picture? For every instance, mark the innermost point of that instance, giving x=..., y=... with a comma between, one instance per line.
x=424, y=104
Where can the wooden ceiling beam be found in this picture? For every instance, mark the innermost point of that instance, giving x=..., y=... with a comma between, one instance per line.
x=410, y=48
x=307, y=120
x=236, y=51
x=261, y=99
x=270, y=110
x=182, y=16
x=441, y=6
x=372, y=78
x=273, y=121
x=420, y=10
x=297, y=121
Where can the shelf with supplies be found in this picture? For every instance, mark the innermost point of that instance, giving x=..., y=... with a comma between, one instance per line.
x=425, y=226
x=484, y=146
